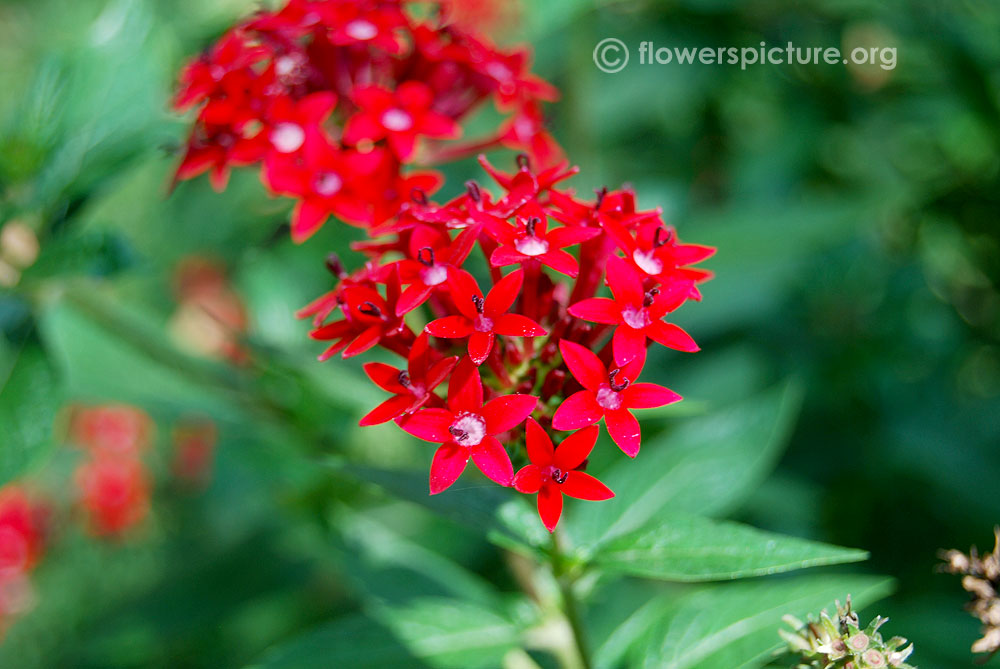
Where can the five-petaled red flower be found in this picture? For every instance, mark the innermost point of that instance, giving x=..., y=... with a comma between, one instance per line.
x=638, y=313
x=609, y=395
x=481, y=319
x=468, y=428
x=554, y=472
x=398, y=117
x=530, y=241
x=412, y=387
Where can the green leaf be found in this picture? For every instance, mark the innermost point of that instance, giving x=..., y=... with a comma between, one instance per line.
x=432, y=632
x=735, y=625
x=29, y=400
x=708, y=465
x=691, y=548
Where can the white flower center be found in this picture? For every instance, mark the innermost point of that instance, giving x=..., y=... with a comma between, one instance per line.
x=434, y=275
x=647, y=262
x=285, y=65
x=328, y=184
x=361, y=30
x=397, y=120
x=482, y=324
x=288, y=137
x=608, y=398
x=499, y=71
x=635, y=318
x=531, y=246
x=468, y=430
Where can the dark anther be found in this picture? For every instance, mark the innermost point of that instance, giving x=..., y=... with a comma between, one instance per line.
x=479, y=302
x=404, y=378
x=659, y=239
x=615, y=386
x=458, y=433
x=601, y=194
x=334, y=266
x=473, y=190
x=559, y=476
x=419, y=196
x=370, y=309
x=426, y=256
x=523, y=161
x=530, y=225
x=650, y=297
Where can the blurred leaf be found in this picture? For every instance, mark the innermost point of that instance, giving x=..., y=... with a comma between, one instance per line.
x=445, y=633
x=691, y=548
x=735, y=625
x=29, y=399
x=707, y=465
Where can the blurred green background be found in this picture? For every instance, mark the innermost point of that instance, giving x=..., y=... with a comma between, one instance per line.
x=855, y=211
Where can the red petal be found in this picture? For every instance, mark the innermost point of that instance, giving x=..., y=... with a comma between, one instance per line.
x=448, y=464
x=492, y=460
x=597, y=310
x=307, y=218
x=363, y=342
x=528, y=480
x=578, y=410
x=437, y=373
x=385, y=377
x=503, y=294
x=624, y=431
x=628, y=344
x=550, y=505
x=428, y=424
x=412, y=298
x=539, y=445
x=575, y=448
x=516, y=325
x=671, y=296
x=449, y=327
x=465, y=390
x=585, y=486
x=624, y=282
x=507, y=412
x=671, y=336
x=480, y=345
x=386, y=411
x=689, y=254
x=561, y=262
x=570, y=235
x=648, y=396
x=584, y=364
x=506, y=255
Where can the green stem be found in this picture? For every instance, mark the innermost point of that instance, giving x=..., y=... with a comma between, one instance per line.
x=570, y=604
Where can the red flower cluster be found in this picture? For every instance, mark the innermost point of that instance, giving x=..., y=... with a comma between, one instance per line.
x=112, y=483
x=334, y=97
x=519, y=357
x=22, y=523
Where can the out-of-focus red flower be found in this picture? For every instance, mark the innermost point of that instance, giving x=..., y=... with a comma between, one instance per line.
x=114, y=493
x=609, y=395
x=194, y=441
x=210, y=318
x=468, y=428
x=400, y=117
x=21, y=532
x=115, y=430
x=554, y=472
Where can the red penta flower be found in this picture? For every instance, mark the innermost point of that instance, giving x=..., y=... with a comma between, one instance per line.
x=432, y=269
x=553, y=472
x=114, y=492
x=291, y=121
x=658, y=254
x=468, y=428
x=412, y=387
x=115, y=430
x=609, y=395
x=637, y=313
x=20, y=531
x=481, y=319
x=531, y=242
x=358, y=23
x=398, y=117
